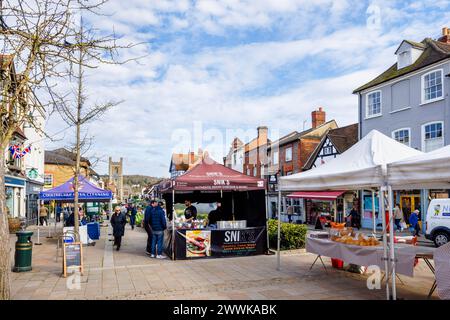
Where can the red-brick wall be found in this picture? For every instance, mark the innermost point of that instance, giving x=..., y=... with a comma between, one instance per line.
x=307, y=146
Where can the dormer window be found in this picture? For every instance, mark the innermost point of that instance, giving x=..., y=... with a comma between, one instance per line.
x=407, y=53
x=404, y=59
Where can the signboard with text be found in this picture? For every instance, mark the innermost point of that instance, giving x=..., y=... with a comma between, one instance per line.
x=220, y=243
x=72, y=257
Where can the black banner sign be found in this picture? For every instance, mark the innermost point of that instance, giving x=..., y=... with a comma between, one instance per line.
x=193, y=244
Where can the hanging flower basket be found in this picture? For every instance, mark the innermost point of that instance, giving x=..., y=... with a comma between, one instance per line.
x=14, y=225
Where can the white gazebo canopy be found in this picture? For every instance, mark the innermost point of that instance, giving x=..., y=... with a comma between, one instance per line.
x=424, y=171
x=362, y=166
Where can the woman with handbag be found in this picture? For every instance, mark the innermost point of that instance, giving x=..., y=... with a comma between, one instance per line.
x=118, y=222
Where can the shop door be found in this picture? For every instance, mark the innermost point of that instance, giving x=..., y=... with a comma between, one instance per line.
x=408, y=204
x=273, y=206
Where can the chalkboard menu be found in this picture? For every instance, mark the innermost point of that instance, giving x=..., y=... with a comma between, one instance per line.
x=73, y=257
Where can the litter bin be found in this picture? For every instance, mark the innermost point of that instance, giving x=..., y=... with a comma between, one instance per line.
x=24, y=248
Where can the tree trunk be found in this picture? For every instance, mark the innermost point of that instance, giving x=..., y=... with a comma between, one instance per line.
x=5, y=264
x=78, y=134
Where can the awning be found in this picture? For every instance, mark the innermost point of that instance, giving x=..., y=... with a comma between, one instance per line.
x=317, y=195
x=209, y=175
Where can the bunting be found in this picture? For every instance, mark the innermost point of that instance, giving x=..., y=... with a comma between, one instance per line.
x=17, y=152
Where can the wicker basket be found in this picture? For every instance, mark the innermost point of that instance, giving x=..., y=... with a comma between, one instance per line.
x=14, y=225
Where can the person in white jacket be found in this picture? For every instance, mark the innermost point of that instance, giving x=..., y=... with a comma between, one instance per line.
x=398, y=217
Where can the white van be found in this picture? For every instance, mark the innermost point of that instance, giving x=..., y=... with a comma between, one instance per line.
x=438, y=222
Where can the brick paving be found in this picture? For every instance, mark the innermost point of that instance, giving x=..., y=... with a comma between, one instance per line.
x=130, y=274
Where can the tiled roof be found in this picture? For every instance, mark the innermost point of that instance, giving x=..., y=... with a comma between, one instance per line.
x=435, y=51
x=342, y=138
x=62, y=156
x=293, y=136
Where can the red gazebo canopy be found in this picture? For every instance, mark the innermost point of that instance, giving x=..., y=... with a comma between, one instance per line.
x=209, y=175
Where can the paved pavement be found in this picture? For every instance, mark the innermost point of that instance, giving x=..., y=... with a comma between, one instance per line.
x=130, y=274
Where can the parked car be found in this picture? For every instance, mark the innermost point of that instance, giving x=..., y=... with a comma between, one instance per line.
x=438, y=222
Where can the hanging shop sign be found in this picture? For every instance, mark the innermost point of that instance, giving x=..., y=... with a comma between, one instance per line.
x=273, y=179
x=32, y=173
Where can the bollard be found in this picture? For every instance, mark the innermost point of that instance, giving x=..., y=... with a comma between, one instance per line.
x=49, y=231
x=38, y=243
x=24, y=249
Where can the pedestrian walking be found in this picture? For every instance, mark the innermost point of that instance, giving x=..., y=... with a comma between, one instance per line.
x=414, y=222
x=147, y=227
x=58, y=212
x=158, y=225
x=65, y=214
x=354, y=218
x=398, y=217
x=43, y=213
x=132, y=212
x=290, y=212
x=118, y=222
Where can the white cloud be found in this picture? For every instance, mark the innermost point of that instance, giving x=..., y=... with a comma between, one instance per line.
x=186, y=78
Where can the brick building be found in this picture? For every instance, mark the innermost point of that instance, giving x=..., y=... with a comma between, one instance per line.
x=255, y=154
x=60, y=167
x=290, y=153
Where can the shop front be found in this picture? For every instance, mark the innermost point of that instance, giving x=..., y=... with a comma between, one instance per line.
x=325, y=205
x=15, y=196
x=32, y=201
x=241, y=227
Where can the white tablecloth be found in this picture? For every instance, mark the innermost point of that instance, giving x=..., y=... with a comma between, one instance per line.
x=363, y=256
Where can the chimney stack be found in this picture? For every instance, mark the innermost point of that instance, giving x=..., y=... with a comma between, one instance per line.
x=445, y=35
x=263, y=132
x=318, y=117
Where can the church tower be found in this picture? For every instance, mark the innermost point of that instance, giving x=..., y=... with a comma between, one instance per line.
x=116, y=177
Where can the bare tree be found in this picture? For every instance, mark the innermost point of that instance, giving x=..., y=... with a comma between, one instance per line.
x=79, y=114
x=44, y=41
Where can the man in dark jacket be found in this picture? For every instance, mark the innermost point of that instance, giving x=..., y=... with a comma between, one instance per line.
x=132, y=214
x=118, y=222
x=70, y=222
x=158, y=225
x=147, y=227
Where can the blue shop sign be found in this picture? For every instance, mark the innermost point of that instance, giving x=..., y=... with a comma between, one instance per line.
x=14, y=181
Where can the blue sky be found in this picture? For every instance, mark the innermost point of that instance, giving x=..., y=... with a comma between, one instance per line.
x=230, y=65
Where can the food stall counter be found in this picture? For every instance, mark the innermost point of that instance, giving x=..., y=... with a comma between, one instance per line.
x=212, y=243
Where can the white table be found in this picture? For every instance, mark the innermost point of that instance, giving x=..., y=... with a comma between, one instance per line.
x=363, y=255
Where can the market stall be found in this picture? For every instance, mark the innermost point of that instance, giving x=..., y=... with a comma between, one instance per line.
x=365, y=251
x=363, y=166
x=87, y=193
x=241, y=228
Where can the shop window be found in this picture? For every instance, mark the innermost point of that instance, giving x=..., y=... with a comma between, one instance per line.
x=402, y=136
x=9, y=200
x=432, y=136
